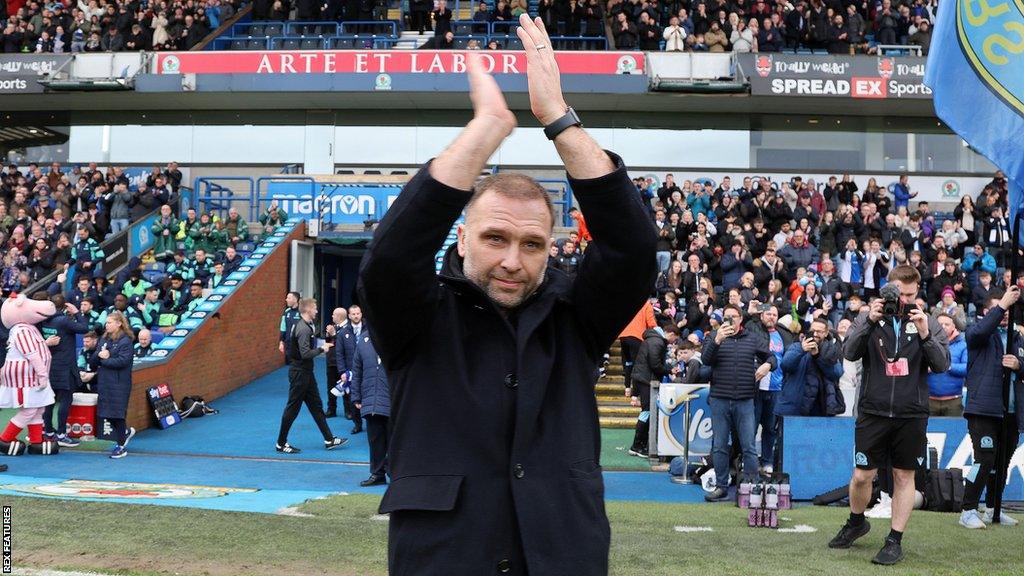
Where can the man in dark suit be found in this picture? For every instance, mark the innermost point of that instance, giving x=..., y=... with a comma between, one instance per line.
x=494, y=450
x=345, y=356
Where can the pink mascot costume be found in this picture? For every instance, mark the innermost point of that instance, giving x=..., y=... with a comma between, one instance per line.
x=25, y=376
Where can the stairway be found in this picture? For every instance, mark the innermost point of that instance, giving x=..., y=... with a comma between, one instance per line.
x=613, y=407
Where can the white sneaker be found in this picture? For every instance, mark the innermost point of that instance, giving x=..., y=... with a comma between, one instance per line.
x=1004, y=518
x=882, y=509
x=971, y=520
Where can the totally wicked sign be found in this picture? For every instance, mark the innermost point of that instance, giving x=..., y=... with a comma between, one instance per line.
x=386, y=62
x=836, y=76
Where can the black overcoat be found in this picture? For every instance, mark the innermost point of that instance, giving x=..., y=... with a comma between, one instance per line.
x=495, y=445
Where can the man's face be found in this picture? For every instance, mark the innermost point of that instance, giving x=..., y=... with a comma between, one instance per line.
x=201, y=255
x=568, y=248
x=770, y=317
x=89, y=342
x=504, y=246
x=120, y=302
x=819, y=331
x=83, y=285
x=291, y=301
x=339, y=315
x=196, y=291
x=798, y=237
x=949, y=326
x=908, y=292
x=735, y=317
x=355, y=314
x=83, y=233
x=145, y=338
x=978, y=251
x=151, y=296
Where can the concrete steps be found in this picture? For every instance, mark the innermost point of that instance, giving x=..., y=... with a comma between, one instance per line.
x=613, y=407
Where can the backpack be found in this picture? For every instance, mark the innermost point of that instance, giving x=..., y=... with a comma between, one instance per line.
x=944, y=490
x=195, y=407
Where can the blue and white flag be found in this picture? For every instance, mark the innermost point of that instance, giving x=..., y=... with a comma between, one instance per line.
x=976, y=72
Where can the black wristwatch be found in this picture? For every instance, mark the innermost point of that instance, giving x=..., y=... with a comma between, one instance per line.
x=558, y=126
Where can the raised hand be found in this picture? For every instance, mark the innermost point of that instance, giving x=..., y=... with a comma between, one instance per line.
x=546, y=100
x=488, y=101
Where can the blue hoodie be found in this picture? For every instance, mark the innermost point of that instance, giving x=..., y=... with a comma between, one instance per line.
x=951, y=382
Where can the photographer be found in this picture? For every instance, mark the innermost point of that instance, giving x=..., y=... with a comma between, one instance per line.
x=898, y=344
x=989, y=420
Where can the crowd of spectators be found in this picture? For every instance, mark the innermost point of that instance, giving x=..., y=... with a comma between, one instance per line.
x=847, y=27
x=794, y=263
x=64, y=26
x=55, y=218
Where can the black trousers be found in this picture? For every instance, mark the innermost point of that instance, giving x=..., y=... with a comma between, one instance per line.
x=120, y=426
x=63, y=404
x=986, y=434
x=377, y=436
x=332, y=379
x=630, y=346
x=641, y=438
x=302, y=389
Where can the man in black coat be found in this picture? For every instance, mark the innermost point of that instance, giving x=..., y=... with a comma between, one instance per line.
x=59, y=331
x=509, y=480
x=652, y=363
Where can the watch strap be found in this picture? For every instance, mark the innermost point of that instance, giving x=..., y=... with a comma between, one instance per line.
x=558, y=126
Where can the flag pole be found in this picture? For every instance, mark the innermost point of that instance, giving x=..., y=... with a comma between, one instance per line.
x=1002, y=450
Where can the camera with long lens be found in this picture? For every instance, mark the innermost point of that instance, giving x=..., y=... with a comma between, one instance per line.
x=891, y=305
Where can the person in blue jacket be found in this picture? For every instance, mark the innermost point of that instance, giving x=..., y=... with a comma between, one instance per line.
x=371, y=395
x=975, y=262
x=114, y=355
x=946, y=389
x=990, y=421
x=902, y=194
x=59, y=332
x=811, y=369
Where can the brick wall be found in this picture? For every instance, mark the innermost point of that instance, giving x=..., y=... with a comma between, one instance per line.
x=229, y=350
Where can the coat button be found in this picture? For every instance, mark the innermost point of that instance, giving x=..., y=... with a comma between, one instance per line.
x=518, y=471
x=504, y=566
x=511, y=381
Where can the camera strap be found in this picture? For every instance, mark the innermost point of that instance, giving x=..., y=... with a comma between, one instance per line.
x=897, y=326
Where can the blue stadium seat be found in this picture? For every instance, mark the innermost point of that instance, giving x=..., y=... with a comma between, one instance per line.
x=245, y=246
x=274, y=30
x=256, y=44
x=153, y=276
x=157, y=336
x=256, y=30
x=237, y=44
x=343, y=43
x=312, y=43
x=468, y=28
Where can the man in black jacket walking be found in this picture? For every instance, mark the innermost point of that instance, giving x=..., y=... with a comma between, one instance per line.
x=509, y=481
x=739, y=359
x=301, y=351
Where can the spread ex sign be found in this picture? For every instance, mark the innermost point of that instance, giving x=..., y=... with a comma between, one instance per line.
x=344, y=204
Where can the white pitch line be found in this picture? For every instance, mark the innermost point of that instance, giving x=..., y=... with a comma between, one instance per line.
x=799, y=529
x=694, y=529
x=35, y=572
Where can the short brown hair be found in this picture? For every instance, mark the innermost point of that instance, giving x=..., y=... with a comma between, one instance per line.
x=905, y=273
x=305, y=304
x=513, y=186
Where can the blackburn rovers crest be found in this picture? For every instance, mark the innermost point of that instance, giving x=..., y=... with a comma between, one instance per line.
x=991, y=34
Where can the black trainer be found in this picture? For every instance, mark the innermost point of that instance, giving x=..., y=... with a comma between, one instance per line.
x=848, y=533
x=335, y=442
x=891, y=553
x=288, y=449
